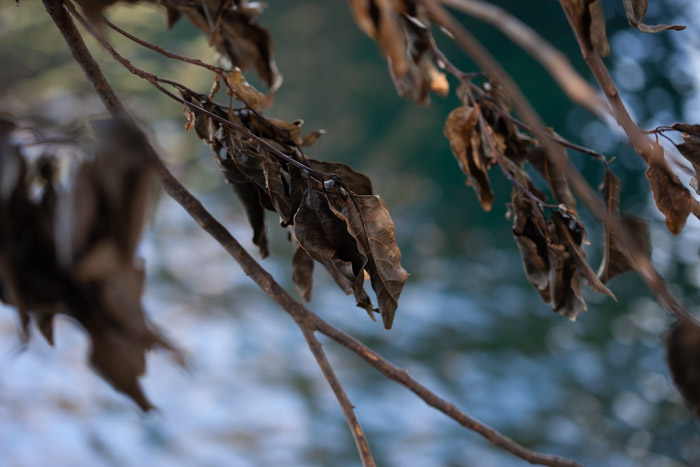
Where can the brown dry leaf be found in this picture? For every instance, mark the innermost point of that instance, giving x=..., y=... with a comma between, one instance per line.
x=85, y=266
x=693, y=130
x=683, y=357
x=323, y=233
x=531, y=236
x=636, y=11
x=570, y=233
x=564, y=282
x=616, y=258
x=553, y=173
x=369, y=222
x=671, y=197
x=244, y=91
x=302, y=271
x=465, y=141
x=399, y=27
x=357, y=182
x=234, y=32
x=590, y=23
x=690, y=150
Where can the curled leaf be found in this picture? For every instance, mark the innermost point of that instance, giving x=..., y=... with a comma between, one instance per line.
x=636, y=11
x=465, y=141
x=400, y=29
x=530, y=233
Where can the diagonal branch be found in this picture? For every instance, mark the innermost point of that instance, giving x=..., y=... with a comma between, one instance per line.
x=553, y=60
x=302, y=316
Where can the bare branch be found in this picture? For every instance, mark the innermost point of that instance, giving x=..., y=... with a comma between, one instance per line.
x=345, y=405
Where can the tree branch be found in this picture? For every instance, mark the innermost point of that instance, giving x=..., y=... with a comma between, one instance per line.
x=554, y=61
x=268, y=284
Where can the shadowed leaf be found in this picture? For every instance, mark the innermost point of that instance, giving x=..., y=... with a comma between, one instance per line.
x=530, y=233
x=324, y=235
x=615, y=255
x=683, y=356
x=302, y=271
x=570, y=233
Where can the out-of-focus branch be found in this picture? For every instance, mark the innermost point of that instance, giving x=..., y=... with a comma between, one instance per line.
x=553, y=60
x=308, y=321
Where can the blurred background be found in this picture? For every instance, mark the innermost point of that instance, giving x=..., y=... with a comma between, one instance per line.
x=469, y=326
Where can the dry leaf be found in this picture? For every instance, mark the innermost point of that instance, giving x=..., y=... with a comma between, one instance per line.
x=671, y=197
x=683, y=356
x=465, y=141
x=636, y=11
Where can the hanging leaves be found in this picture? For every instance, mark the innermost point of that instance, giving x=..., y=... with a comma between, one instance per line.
x=233, y=30
x=74, y=254
x=636, y=11
x=334, y=217
x=531, y=235
x=368, y=220
x=399, y=26
x=683, y=356
x=671, y=197
x=465, y=141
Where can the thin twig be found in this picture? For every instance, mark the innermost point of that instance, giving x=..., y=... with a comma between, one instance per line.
x=553, y=60
x=347, y=407
x=162, y=51
x=267, y=283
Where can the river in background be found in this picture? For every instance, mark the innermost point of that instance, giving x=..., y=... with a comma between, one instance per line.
x=469, y=326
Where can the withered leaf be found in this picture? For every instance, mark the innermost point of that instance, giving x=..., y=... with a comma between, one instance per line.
x=530, y=233
x=399, y=27
x=357, y=182
x=683, y=356
x=671, y=197
x=565, y=283
x=84, y=267
x=369, y=222
x=244, y=90
x=636, y=11
x=233, y=31
x=590, y=23
x=302, y=271
x=465, y=142
x=553, y=173
x=323, y=233
x=569, y=233
x=616, y=258
x=690, y=150
x=693, y=130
